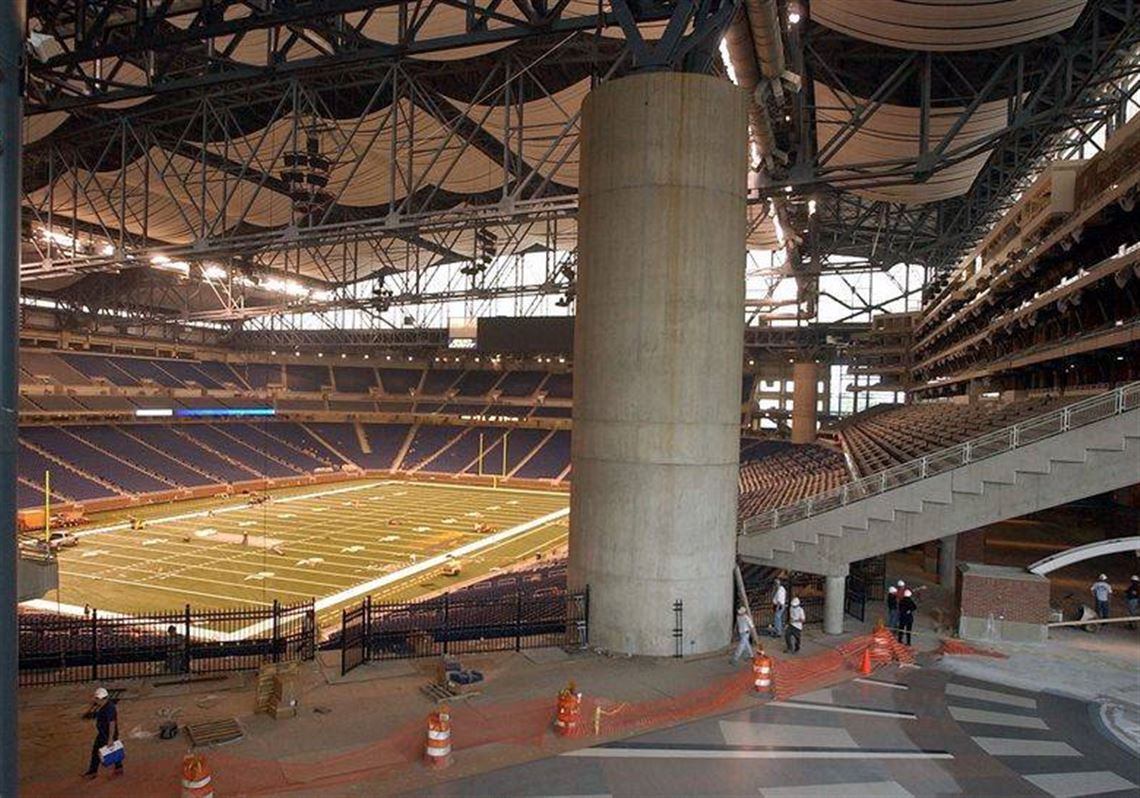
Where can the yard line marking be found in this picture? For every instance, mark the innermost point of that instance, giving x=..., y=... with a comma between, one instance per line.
x=1072, y=785
x=1008, y=746
x=94, y=553
x=248, y=523
x=153, y=541
x=868, y=789
x=416, y=568
x=260, y=576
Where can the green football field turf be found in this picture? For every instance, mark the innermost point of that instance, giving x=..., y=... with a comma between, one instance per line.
x=315, y=542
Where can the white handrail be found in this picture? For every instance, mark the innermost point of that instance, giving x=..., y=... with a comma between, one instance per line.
x=1087, y=411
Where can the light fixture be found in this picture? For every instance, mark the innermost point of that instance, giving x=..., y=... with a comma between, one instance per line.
x=366, y=357
x=795, y=13
x=273, y=352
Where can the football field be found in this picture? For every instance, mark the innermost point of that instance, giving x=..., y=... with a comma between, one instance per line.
x=333, y=544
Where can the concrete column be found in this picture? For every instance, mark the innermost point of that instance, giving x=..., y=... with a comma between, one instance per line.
x=834, y=591
x=658, y=342
x=805, y=394
x=948, y=561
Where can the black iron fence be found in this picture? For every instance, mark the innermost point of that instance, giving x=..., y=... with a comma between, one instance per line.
x=455, y=624
x=855, y=598
x=58, y=649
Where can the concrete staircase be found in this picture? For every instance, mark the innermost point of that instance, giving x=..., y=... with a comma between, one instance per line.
x=1082, y=450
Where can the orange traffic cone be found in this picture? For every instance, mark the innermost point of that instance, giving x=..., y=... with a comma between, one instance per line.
x=865, y=668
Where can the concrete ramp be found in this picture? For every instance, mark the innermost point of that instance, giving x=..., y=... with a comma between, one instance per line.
x=1081, y=450
x=1077, y=554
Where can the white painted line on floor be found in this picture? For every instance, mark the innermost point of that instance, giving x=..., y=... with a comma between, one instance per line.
x=737, y=732
x=849, y=789
x=877, y=713
x=968, y=715
x=1009, y=746
x=732, y=753
x=1074, y=785
x=992, y=696
x=880, y=683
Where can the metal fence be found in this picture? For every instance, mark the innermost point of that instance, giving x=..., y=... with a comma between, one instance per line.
x=1088, y=411
x=452, y=624
x=57, y=649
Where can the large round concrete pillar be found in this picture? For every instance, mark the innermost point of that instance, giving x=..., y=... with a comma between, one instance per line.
x=805, y=396
x=658, y=342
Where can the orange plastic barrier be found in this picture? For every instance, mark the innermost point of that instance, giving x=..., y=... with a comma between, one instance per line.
x=762, y=672
x=197, y=781
x=437, y=752
x=569, y=710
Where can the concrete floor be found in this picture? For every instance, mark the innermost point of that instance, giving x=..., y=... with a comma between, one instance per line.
x=905, y=732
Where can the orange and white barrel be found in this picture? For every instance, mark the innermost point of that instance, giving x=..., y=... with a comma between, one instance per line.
x=569, y=711
x=197, y=781
x=437, y=753
x=762, y=672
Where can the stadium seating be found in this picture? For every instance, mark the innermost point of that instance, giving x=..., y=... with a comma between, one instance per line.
x=550, y=460
x=881, y=439
x=400, y=382
x=353, y=379
x=559, y=386
x=66, y=481
x=90, y=459
x=787, y=473
x=521, y=383
x=437, y=382
x=427, y=443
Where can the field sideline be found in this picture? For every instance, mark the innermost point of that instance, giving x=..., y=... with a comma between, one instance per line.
x=332, y=544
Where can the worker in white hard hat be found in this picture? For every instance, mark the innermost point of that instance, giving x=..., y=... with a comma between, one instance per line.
x=745, y=628
x=1132, y=599
x=892, y=608
x=1101, y=590
x=106, y=729
x=795, y=629
x=907, y=609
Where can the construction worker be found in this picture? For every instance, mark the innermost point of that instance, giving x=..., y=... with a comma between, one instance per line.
x=1132, y=599
x=795, y=630
x=1101, y=590
x=106, y=719
x=892, y=608
x=745, y=628
x=779, y=601
x=907, y=608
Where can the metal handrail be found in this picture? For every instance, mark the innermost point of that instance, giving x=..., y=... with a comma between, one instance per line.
x=1087, y=411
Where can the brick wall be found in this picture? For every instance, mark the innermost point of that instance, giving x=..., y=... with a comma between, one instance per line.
x=1013, y=598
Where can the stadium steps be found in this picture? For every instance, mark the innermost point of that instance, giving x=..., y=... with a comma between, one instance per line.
x=56, y=496
x=42, y=452
x=193, y=441
x=359, y=436
x=435, y=455
x=112, y=456
x=253, y=447
x=362, y=437
x=1080, y=462
x=398, y=462
x=206, y=475
x=532, y=452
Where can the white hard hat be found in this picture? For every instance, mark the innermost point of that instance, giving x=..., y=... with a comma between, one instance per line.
x=796, y=602
x=101, y=693
x=892, y=589
x=902, y=583
x=907, y=594
x=1102, y=577
x=740, y=610
x=1135, y=578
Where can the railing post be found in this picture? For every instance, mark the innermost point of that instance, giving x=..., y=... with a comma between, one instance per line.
x=186, y=640
x=1015, y=436
x=776, y=517
x=446, y=620
x=883, y=482
x=844, y=495
x=94, y=644
x=967, y=451
x=366, y=653
x=810, y=506
x=518, y=620
x=923, y=468
x=1119, y=403
x=1065, y=420
x=276, y=620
